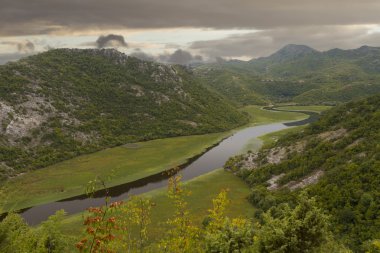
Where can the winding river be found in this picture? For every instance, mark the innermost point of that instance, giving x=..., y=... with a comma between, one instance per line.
x=213, y=158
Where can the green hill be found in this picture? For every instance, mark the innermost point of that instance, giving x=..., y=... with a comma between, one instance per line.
x=336, y=160
x=66, y=102
x=298, y=73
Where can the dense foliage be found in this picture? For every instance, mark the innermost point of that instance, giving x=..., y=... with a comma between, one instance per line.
x=343, y=146
x=123, y=226
x=17, y=236
x=66, y=102
x=298, y=74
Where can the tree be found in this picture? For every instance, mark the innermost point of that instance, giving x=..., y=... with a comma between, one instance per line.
x=17, y=237
x=102, y=223
x=374, y=247
x=182, y=235
x=223, y=234
x=136, y=214
x=299, y=230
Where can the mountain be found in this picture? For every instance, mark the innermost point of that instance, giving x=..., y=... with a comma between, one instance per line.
x=336, y=159
x=298, y=73
x=232, y=84
x=288, y=53
x=66, y=102
x=300, y=61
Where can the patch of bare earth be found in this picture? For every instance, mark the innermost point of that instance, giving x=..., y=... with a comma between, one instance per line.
x=250, y=161
x=311, y=179
x=188, y=122
x=276, y=155
x=333, y=135
x=273, y=185
x=355, y=143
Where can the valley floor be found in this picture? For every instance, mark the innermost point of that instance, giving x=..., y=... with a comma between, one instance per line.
x=200, y=200
x=125, y=164
x=115, y=165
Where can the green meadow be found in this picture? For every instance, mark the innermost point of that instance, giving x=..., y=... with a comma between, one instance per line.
x=271, y=138
x=199, y=202
x=125, y=163
x=260, y=116
x=313, y=108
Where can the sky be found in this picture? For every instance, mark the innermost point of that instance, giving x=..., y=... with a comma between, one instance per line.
x=183, y=31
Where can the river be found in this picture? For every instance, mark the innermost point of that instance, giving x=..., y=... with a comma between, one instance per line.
x=214, y=158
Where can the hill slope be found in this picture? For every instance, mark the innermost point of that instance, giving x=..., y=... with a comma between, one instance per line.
x=335, y=159
x=66, y=102
x=300, y=74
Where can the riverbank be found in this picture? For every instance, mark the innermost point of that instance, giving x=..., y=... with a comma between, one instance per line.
x=127, y=163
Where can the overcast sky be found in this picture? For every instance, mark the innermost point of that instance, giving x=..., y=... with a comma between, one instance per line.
x=206, y=29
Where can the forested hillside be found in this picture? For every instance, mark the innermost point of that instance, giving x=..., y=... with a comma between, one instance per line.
x=299, y=74
x=336, y=159
x=65, y=102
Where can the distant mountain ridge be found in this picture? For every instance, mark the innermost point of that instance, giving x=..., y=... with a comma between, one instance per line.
x=289, y=52
x=66, y=102
x=295, y=51
x=296, y=54
x=298, y=73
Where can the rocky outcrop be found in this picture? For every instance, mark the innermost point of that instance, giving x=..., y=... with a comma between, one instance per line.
x=294, y=185
x=273, y=185
x=333, y=135
x=308, y=180
x=253, y=160
x=278, y=154
x=20, y=120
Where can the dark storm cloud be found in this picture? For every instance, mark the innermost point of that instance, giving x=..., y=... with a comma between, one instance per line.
x=26, y=47
x=111, y=40
x=45, y=16
x=266, y=42
x=180, y=57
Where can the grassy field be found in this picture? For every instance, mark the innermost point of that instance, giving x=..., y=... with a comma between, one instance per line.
x=198, y=202
x=127, y=163
x=313, y=108
x=269, y=139
x=260, y=116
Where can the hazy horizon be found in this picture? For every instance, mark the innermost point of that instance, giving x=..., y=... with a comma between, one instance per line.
x=202, y=30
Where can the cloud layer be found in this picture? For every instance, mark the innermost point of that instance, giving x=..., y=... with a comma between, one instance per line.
x=24, y=17
x=266, y=42
x=322, y=24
